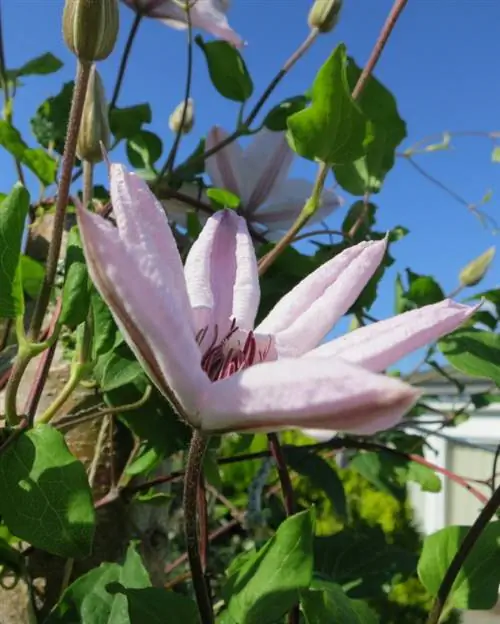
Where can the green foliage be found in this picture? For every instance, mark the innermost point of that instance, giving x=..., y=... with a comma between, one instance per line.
x=332, y=129
x=473, y=352
x=89, y=599
x=35, y=159
x=13, y=211
x=143, y=151
x=227, y=69
x=276, y=118
x=332, y=605
x=44, y=494
x=51, y=118
x=76, y=291
x=266, y=585
x=476, y=585
x=385, y=130
x=125, y=123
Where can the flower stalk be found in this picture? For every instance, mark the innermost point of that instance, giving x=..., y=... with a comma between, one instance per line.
x=197, y=450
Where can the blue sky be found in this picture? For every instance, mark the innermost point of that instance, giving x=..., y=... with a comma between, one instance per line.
x=441, y=63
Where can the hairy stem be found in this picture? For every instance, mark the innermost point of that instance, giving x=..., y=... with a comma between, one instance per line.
x=68, y=162
x=191, y=483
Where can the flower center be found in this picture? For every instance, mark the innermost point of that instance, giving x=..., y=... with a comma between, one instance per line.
x=234, y=352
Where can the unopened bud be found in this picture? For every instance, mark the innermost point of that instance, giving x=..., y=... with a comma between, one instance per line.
x=474, y=272
x=324, y=14
x=94, y=127
x=90, y=28
x=176, y=123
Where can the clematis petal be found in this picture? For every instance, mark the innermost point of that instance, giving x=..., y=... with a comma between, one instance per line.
x=151, y=318
x=144, y=229
x=286, y=203
x=312, y=393
x=226, y=168
x=221, y=274
x=209, y=15
x=377, y=346
x=308, y=312
x=267, y=161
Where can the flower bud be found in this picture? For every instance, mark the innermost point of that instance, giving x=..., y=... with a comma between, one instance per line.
x=324, y=15
x=94, y=127
x=175, y=121
x=474, y=272
x=90, y=28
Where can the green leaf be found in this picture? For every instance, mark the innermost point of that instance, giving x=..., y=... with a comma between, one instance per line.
x=162, y=430
x=361, y=559
x=45, y=497
x=333, y=128
x=144, y=149
x=276, y=118
x=37, y=160
x=76, y=291
x=127, y=122
x=51, y=119
x=155, y=605
x=390, y=473
x=473, y=352
x=105, y=329
x=360, y=212
x=13, y=211
x=10, y=558
x=485, y=318
x=32, y=274
x=88, y=601
x=423, y=289
x=40, y=66
x=332, y=605
x=476, y=586
x=118, y=368
x=321, y=475
x=386, y=129
x=267, y=585
x=495, y=154
x=227, y=69
x=223, y=198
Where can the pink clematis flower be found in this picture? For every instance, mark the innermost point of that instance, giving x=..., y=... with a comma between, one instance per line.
x=258, y=176
x=209, y=15
x=192, y=328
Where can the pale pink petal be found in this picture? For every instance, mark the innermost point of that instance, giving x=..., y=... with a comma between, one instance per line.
x=267, y=161
x=221, y=274
x=209, y=15
x=379, y=345
x=287, y=202
x=144, y=229
x=148, y=313
x=226, y=168
x=299, y=393
x=307, y=313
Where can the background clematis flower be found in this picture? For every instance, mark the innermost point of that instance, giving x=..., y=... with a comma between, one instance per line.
x=258, y=176
x=192, y=328
x=209, y=15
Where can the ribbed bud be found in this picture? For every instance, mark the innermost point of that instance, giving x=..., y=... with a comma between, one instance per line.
x=90, y=28
x=94, y=127
x=324, y=15
x=474, y=272
x=175, y=120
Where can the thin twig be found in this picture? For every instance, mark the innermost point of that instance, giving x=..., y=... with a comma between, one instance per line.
x=169, y=164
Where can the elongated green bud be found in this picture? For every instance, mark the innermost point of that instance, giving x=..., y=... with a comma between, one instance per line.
x=474, y=272
x=324, y=15
x=90, y=28
x=94, y=127
x=175, y=122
